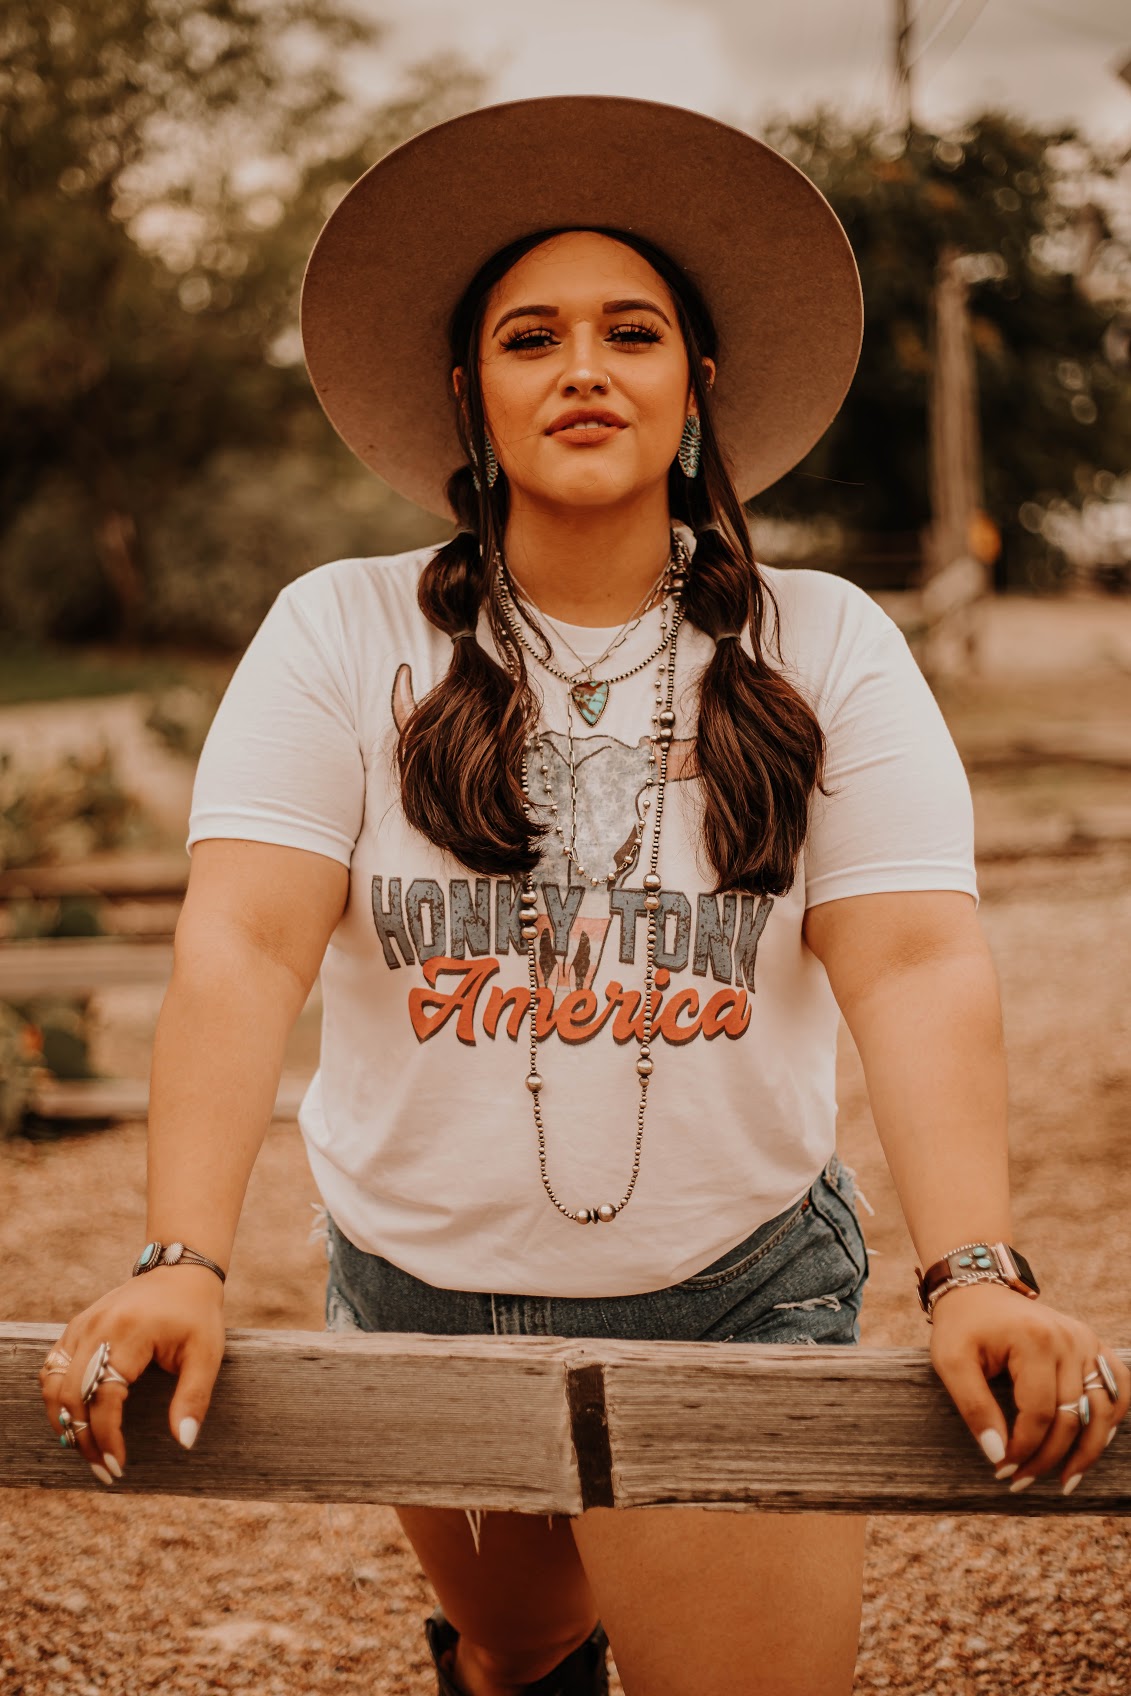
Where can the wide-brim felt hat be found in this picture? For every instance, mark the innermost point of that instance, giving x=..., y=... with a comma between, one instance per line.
x=764, y=246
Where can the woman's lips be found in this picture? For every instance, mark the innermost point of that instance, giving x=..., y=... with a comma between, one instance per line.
x=586, y=435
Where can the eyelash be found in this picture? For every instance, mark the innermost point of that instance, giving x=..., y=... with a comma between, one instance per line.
x=522, y=338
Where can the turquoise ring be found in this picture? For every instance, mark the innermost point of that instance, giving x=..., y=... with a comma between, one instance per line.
x=71, y=1428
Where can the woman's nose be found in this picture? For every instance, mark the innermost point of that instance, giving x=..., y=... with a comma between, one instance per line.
x=584, y=369
x=582, y=379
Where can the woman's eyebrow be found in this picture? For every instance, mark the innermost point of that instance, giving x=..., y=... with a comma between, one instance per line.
x=609, y=306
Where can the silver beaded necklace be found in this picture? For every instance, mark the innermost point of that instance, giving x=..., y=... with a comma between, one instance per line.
x=675, y=572
x=512, y=597
x=589, y=694
x=664, y=722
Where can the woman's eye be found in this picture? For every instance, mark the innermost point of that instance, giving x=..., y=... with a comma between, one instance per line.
x=625, y=334
x=525, y=338
x=634, y=333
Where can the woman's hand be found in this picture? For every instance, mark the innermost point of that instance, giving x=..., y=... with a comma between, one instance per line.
x=173, y=1315
x=982, y=1329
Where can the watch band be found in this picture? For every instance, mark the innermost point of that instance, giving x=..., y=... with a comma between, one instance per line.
x=973, y=1263
x=172, y=1254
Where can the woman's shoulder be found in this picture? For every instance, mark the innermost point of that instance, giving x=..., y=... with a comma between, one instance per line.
x=361, y=584
x=823, y=615
x=830, y=628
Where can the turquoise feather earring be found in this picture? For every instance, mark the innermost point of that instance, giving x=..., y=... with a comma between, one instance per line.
x=492, y=463
x=689, y=443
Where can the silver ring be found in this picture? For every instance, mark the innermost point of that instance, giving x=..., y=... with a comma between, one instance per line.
x=1108, y=1377
x=71, y=1427
x=57, y=1361
x=99, y=1371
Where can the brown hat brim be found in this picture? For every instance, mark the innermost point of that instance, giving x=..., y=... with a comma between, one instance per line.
x=763, y=244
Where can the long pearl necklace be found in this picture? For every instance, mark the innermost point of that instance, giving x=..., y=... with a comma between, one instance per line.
x=664, y=721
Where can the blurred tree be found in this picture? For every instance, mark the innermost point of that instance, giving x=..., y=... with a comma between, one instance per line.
x=164, y=167
x=1055, y=396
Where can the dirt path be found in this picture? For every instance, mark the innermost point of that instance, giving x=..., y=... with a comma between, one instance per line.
x=101, y=1593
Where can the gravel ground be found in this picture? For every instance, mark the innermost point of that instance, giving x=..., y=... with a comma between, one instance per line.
x=105, y=1594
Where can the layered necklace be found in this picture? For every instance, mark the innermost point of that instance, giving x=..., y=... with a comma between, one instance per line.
x=674, y=578
x=589, y=695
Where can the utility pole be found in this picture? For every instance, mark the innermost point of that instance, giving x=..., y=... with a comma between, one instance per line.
x=901, y=64
x=961, y=542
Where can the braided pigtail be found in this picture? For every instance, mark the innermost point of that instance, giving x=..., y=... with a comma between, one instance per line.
x=759, y=749
x=459, y=754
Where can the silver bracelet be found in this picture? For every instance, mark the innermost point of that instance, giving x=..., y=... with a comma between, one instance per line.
x=956, y=1283
x=172, y=1254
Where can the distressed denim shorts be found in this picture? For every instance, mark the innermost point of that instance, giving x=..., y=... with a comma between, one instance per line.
x=799, y=1278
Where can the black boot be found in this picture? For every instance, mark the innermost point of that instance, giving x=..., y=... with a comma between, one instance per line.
x=584, y=1672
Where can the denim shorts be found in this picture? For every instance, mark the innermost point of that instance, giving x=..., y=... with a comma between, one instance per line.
x=799, y=1278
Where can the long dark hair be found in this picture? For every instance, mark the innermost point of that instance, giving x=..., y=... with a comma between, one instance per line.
x=759, y=749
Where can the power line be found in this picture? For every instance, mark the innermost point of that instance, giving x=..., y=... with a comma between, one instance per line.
x=975, y=8
x=937, y=31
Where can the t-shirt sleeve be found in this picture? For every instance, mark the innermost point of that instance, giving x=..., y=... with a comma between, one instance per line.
x=900, y=815
x=282, y=761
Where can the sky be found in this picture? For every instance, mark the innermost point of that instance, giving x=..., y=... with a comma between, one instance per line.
x=742, y=60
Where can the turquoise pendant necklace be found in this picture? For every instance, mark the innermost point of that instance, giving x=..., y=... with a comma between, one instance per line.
x=590, y=695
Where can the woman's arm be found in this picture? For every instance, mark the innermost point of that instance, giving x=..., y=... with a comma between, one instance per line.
x=249, y=943
x=912, y=973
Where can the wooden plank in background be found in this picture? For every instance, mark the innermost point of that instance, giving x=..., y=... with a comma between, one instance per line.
x=52, y=967
x=135, y=875
x=546, y=1425
x=128, y=1098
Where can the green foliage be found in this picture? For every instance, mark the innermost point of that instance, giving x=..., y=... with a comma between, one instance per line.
x=64, y=811
x=180, y=717
x=1055, y=407
x=32, y=919
x=164, y=168
x=20, y=1059
x=49, y=1036
x=62, y=1027
x=33, y=671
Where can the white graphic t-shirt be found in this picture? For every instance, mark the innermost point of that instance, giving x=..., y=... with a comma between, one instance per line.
x=418, y=1124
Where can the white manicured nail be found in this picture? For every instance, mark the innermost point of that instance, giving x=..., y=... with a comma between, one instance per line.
x=1007, y=1470
x=1072, y=1483
x=1021, y=1483
x=187, y=1431
x=1110, y=1435
x=992, y=1445
x=111, y=1465
x=100, y=1473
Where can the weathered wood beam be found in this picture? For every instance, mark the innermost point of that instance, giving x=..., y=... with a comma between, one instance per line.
x=127, y=1099
x=546, y=1425
x=51, y=967
x=136, y=876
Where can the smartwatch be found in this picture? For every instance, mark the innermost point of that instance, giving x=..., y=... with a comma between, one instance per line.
x=962, y=1266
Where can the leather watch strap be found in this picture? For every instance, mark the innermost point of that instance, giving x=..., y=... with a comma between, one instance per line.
x=972, y=1262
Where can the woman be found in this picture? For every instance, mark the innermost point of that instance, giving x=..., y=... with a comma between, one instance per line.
x=588, y=820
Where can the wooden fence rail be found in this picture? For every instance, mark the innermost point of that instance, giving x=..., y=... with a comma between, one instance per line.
x=115, y=875
x=66, y=967
x=547, y=1425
